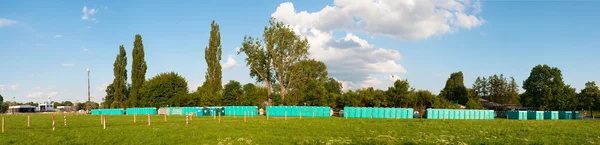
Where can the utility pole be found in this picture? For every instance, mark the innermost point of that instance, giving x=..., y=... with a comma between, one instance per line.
x=88, y=103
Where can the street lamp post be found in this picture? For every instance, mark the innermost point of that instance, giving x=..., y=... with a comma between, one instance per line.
x=88, y=103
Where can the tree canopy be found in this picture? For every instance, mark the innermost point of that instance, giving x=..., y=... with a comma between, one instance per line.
x=212, y=55
x=165, y=89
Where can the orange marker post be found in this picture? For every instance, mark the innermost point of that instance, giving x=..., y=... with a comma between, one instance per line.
x=53, y=123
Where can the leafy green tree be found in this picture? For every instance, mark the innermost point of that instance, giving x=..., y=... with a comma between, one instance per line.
x=334, y=91
x=589, y=96
x=4, y=107
x=249, y=97
x=232, y=94
x=545, y=89
x=138, y=73
x=309, y=87
x=119, y=84
x=262, y=96
x=455, y=89
x=399, y=94
x=212, y=55
x=315, y=94
x=259, y=61
x=424, y=99
x=1, y=101
x=165, y=89
x=472, y=104
x=284, y=49
x=109, y=98
x=350, y=98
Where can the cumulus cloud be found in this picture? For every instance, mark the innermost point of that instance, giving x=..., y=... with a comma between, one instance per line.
x=7, y=22
x=230, y=62
x=403, y=19
x=353, y=60
x=87, y=13
x=35, y=94
x=11, y=87
x=68, y=64
x=57, y=36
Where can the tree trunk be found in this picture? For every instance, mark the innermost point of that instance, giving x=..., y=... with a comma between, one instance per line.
x=282, y=92
x=269, y=100
x=592, y=113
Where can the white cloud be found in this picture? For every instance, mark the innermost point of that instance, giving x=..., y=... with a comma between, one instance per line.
x=230, y=62
x=57, y=36
x=68, y=64
x=352, y=59
x=102, y=87
x=35, y=94
x=7, y=22
x=89, y=27
x=87, y=13
x=394, y=77
x=14, y=87
x=85, y=49
x=405, y=20
x=11, y=87
x=370, y=82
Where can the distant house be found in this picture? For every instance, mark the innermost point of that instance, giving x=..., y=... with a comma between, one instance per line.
x=45, y=107
x=21, y=109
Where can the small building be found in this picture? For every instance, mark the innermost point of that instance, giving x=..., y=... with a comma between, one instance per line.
x=21, y=109
x=45, y=107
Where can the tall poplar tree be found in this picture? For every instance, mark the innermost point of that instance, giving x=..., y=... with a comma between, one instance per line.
x=119, y=83
x=138, y=72
x=212, y=55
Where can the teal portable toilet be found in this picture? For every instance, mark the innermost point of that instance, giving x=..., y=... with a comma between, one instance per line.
x=575, y=115
x=358, y=112
x=434, y=114
x=376, y=112
x=392, y=112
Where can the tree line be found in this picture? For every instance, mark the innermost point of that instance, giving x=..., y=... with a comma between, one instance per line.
x=284, y=75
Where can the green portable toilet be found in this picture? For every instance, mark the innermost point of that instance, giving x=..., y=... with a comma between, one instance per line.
x=575, y=115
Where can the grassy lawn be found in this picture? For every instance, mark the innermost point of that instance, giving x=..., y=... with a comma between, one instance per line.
x=86, y=129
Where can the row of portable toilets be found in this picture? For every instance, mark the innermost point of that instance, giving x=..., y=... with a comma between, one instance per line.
x=542, y=115
x=198, y=111
x=370, y=112
x=297, y=111
x=460, y=114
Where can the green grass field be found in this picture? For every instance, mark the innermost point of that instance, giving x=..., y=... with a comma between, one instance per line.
x=86, y=129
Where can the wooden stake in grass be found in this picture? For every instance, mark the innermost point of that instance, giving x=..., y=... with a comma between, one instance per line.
x=285, y=116
x=396, y=115
x=53, y=123
x=65, y=119
x=2, y=124
x=165, y=117
x=300, y=115
x=28, y=122
x=148, y=119
x=244, y=116
x=134, y=119
x=104, y=121
x=233, y=114
x=219, y=118
x=191, y=116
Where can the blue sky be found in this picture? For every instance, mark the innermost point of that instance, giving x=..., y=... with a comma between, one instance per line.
x=46, y=46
